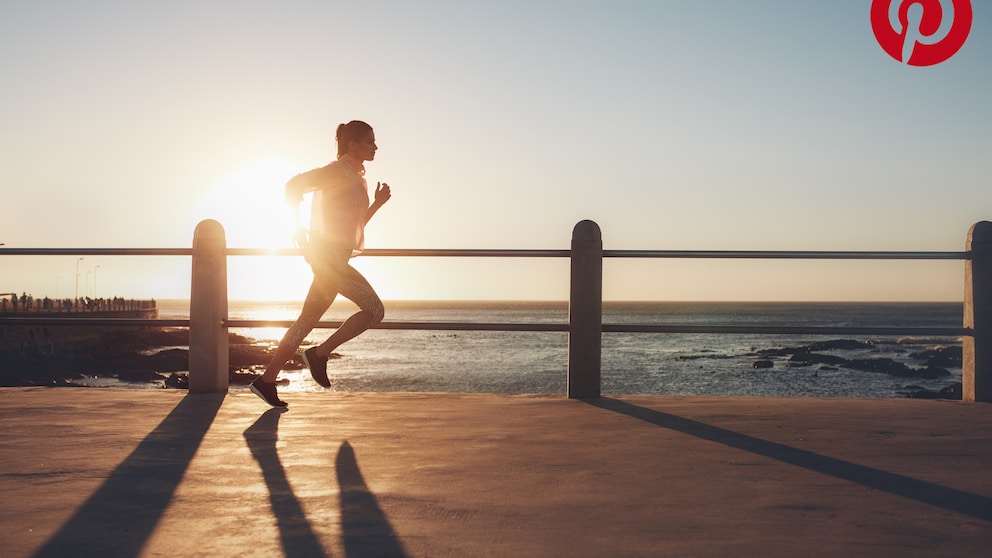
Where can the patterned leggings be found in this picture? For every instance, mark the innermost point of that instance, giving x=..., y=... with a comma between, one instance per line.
x=333, y=275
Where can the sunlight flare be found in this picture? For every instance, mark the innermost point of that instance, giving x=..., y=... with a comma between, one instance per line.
x=249, y=203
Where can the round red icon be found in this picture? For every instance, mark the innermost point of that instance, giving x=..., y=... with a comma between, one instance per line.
x=921, y=32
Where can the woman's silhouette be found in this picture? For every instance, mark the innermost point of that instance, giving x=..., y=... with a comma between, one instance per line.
x=340, y=210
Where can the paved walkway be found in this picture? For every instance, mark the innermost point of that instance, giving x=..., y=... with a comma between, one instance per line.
x=124, y=472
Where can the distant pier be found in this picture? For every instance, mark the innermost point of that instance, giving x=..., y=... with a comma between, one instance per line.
x=11, y=304
x=49, y=340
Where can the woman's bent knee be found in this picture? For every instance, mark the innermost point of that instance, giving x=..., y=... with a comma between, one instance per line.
x=378, y=312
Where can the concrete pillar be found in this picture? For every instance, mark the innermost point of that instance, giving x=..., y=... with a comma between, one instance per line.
x=977, y=356
x=208, y=341
x=585, y=312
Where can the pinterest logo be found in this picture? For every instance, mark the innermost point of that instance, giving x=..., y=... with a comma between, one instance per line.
x=921, y=32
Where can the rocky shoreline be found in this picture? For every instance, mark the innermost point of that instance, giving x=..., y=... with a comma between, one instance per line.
x=933, y=363
x=136, y=356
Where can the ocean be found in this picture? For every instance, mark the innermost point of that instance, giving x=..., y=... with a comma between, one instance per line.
x=632, y=363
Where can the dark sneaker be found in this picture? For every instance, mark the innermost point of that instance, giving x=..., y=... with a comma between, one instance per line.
x=317, y=365
x=267, y=392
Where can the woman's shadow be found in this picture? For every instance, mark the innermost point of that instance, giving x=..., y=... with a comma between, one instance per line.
x=295, y=533
x=365, y=529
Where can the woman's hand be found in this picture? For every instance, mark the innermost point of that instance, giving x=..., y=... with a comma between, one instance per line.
x=382, y=194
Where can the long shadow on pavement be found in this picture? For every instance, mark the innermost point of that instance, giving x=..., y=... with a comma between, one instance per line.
x=966, y=503
x=365, y=528
x=120, y=516
x=296, y=535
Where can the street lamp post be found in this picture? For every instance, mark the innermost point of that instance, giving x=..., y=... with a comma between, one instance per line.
x=76, y=301
x=94, y=280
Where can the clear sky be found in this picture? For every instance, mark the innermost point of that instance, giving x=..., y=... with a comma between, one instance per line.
x=721, y=124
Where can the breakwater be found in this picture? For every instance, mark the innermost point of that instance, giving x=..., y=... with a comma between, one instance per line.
x=30, y=340
x=116, y=307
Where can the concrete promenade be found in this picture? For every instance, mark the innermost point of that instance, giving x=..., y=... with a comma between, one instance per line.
x=125, y=472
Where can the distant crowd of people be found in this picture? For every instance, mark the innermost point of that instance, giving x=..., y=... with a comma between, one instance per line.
x=27, y=303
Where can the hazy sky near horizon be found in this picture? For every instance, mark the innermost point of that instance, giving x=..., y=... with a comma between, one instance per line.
x=711, y=125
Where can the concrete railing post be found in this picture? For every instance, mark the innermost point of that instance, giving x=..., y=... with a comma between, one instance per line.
x=976, y=362
x=585, y=312
x=208, y=342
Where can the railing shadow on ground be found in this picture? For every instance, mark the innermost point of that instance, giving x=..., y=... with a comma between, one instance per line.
x=295, y=533
x=965, y=503
x=366, y=529
x=121, y=515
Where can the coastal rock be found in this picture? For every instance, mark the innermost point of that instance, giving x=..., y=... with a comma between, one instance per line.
x=937, y=360
x=241, y=356
x=177, y=381
x=947, y=357
x=169, y=360
x=762, y=364
x=129, y=355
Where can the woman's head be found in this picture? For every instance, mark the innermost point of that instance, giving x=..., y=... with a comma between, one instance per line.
x=356, y=137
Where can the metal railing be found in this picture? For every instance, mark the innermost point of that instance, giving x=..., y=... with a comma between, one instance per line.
x=209, y=322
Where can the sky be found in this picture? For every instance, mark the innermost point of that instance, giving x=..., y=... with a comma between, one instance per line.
x=674, y=125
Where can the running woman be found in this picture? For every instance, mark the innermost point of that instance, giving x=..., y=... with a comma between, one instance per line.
x=339, y=213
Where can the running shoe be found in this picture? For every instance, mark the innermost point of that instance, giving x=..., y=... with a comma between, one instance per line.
x=267, y=392
x=317, y=365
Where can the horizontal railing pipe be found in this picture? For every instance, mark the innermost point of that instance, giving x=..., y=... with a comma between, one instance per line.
x=96, y=251
x=789, y=330
x=414, y=252
x=421, y=326
x=495, y=253
x=783, y=255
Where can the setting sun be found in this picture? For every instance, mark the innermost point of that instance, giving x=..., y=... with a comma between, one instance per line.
x=249, y=203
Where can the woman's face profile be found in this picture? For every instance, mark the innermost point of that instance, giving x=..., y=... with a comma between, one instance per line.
x=364, y=148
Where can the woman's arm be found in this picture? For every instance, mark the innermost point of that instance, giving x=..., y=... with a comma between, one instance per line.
x=301, y=236
x=294, y=199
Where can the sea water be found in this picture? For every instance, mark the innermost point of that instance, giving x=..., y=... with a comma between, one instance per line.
x=632, y=363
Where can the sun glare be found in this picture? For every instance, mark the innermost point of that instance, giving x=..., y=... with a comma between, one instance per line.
x=249, y=203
